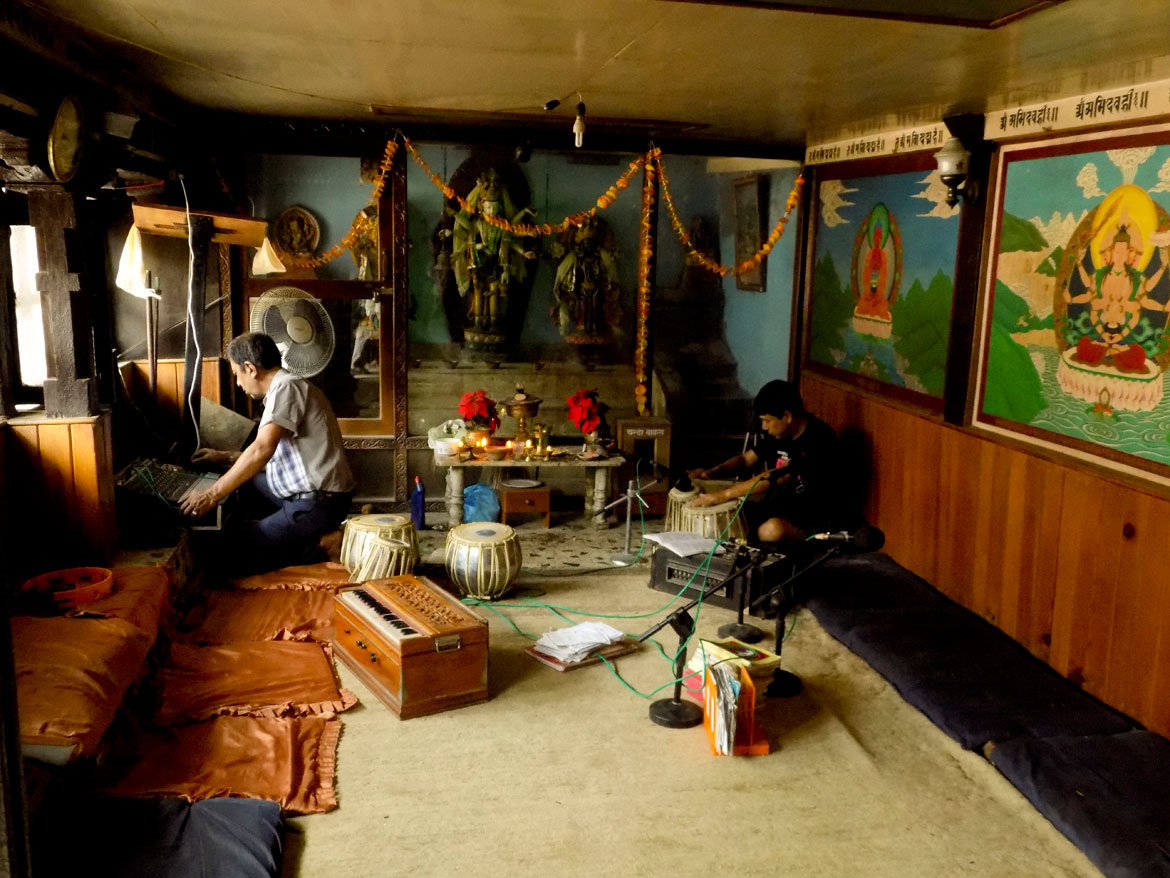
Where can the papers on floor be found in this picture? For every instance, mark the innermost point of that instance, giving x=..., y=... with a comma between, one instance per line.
x=576, y=642
x=683, y=543
x=724, y=701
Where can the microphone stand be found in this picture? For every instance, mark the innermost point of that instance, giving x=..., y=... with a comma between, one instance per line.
x=674, y=713
x=627, y=558
x=739, y=629
x=785, y=683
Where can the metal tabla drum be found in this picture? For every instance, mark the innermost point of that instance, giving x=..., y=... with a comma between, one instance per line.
x=675, y=501
x=482, y=558
x=360, y=530
x=384, y=558
x=712, y=521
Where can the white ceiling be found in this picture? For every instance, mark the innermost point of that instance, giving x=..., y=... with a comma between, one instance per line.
x=734, y=73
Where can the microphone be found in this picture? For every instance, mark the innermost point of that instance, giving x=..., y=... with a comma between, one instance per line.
x=864, y=539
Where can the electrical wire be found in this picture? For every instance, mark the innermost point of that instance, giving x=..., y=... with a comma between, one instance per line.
x=191, y=314
x=560, y=611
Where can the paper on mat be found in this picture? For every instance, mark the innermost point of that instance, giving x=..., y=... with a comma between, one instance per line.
x=576, y=642
x=683, y=542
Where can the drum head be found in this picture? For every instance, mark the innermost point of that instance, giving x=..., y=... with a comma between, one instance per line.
x=482, y=533
x=378, y=519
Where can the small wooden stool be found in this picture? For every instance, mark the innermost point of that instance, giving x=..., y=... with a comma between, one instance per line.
x=523, y=501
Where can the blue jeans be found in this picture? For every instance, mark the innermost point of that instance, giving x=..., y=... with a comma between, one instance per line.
x=288, y=535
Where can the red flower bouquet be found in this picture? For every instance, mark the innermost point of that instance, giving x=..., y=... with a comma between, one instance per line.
x=586, y=411
x=478, y=411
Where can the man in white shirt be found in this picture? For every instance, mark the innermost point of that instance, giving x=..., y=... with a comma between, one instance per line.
x=296, y=463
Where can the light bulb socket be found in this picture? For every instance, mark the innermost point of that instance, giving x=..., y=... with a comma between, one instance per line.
x=552, y=105
x=580, y=108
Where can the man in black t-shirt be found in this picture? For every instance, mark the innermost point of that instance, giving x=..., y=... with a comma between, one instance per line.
x=793, y=465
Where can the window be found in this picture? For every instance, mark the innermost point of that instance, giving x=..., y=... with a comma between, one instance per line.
x=30, y=328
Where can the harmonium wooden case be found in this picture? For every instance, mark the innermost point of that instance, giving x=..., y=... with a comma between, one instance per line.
x=416, y=647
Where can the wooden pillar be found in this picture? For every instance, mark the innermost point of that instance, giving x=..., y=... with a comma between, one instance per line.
x=959, y=389
x=392, y=239
x=70, y=388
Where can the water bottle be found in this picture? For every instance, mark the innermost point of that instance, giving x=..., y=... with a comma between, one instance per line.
x=418, y=505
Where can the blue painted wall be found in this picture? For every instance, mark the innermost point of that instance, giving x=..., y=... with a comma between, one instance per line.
x=331, y=189
x=759, y=325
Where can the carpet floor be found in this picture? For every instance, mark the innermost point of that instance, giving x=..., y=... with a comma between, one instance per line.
x=564, y=774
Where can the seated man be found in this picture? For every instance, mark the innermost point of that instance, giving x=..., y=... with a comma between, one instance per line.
x=296, y=464
x=793, y=463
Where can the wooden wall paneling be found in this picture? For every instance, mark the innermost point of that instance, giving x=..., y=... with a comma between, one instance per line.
x=958, y=492
x=1089, y=547
x=56, y=460
x=1070, y=564
x=93, y=481
x=990, y=532
x=1153, y=701
x=1140, y=587
x=1033, y=515
x=920, y=495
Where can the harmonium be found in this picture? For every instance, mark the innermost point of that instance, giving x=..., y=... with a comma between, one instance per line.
x=416, y=647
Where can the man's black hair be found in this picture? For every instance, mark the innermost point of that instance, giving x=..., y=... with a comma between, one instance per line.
x=777, y=397
x=255, y=348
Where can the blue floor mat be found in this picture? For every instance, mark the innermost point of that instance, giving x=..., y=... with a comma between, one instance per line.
x=972, y=680
x=1106, y=793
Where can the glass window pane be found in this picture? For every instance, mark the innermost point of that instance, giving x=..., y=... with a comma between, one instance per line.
x=30, y=329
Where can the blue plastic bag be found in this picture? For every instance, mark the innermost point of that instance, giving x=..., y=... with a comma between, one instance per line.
x=480, y=503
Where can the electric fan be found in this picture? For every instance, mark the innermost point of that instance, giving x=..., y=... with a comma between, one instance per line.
x=299, y=325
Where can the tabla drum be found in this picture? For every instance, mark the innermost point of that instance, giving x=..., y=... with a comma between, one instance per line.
x=361, y=529
x=482, y=558
x=384, y=558
x=713, y=521
x=675, y=501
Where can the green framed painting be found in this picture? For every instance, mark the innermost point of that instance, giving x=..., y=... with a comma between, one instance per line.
x=879, y=293
x=1075, y=334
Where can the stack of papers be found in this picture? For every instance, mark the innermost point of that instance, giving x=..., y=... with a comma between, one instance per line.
x=684, y=543
x=725, y=701
x=575, y=643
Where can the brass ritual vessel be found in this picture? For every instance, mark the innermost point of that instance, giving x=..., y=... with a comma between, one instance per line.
x=522, y=406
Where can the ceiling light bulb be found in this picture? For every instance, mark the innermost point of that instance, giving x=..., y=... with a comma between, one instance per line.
x=579, y=126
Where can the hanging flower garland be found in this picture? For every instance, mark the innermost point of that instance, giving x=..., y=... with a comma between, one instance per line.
x=749, y=264
x=529, y=230
x=355, y=231
x=645, y=288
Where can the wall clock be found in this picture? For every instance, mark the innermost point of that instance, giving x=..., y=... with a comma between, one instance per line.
x=65, y=140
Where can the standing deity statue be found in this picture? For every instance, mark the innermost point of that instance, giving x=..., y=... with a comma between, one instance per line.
x=487, y=259
x=585, y=290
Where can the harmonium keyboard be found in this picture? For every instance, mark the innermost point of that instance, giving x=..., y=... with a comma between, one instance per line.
x=416, y=647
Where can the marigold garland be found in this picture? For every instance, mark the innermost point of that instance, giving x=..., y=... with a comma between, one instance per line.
x=645, y=289
x=651, y=162
x=351, y=237
x=529, y=230
x=749, y=264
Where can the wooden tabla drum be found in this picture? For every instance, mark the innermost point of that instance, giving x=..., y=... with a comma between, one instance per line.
x=384, y=558
x=675, y=501
x=711, y=521
x=361, y=529
x=482, y=558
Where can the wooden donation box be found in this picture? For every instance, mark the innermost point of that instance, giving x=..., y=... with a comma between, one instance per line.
x=416, y=647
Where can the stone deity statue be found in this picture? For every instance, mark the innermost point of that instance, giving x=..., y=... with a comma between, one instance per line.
x=486, y=259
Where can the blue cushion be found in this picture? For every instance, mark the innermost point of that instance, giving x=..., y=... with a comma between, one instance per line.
x=971, y=679
x=1106, y=793
x=146, y=838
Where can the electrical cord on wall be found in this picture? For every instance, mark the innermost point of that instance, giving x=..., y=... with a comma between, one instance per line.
x=191, y=313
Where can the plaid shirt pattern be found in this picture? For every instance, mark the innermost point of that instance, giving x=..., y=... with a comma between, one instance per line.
x=286, y=470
